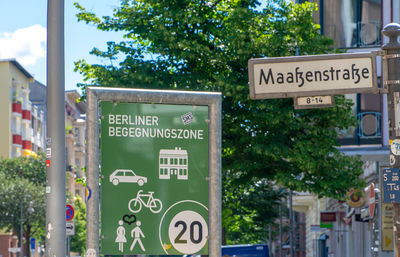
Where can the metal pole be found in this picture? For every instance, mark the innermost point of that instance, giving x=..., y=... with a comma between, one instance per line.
x=291, y=222
x=55, y=189
x=68, y=246
x=392, y=79
x=21, y=232
x=280, y=230
x=93, y=204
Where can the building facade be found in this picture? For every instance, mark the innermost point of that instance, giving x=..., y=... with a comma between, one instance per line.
x=22, y=122
x=355, y=25
x=75, y=136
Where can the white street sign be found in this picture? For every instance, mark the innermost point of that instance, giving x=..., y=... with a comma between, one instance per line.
x=70, y=228
x=312, y=75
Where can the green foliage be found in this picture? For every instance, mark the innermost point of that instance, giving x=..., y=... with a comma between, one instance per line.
x=205, y=45
x=31, y=168
x=22, y=180
x=248, y=209
x=78, y=242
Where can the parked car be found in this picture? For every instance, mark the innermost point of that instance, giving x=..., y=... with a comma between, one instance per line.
x=126, y=176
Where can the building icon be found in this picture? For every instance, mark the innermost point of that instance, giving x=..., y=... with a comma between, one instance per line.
x=173, y=162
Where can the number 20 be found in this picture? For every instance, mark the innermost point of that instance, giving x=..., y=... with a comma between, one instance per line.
x=178, y=239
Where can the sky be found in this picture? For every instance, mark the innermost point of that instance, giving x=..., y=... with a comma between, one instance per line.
x=23, y=35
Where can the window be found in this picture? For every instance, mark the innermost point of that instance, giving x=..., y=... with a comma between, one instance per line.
x=367, y=109
x=351, y=23
x=129, y=173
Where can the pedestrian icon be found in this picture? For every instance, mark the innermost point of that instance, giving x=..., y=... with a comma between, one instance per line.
x=137, y=234
x=121, y=239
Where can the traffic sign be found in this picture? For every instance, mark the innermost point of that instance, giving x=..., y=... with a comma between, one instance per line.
x=391, y=185
x=33, y=243
x=70, y=212
x=70, y=228
x=88, y=193
x=155, y=168
x=312, y=75
x=371, y=200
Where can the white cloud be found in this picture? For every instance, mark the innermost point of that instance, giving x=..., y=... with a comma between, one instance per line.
x=27, y=45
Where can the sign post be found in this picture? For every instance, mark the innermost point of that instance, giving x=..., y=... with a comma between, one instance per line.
x=160, y=171
x=392, y=78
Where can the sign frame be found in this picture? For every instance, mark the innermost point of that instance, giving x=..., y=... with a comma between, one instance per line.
x=211, y=99
x=310, y=58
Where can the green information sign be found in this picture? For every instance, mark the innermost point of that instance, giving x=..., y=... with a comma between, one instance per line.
x=154, y=178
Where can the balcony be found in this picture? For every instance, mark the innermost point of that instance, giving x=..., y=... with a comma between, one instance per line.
x=26, y=144
x=17, y=140
x=370, y=125
x=17, y=108
x=368, y=131
x=368, y=34
x=26, y=115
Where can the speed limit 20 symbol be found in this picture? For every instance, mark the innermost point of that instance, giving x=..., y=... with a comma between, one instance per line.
x=188, y=232
x=184, y=228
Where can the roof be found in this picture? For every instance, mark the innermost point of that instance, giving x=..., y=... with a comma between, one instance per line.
x=18, y=66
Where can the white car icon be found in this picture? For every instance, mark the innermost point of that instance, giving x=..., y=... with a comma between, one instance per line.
x=126, y=176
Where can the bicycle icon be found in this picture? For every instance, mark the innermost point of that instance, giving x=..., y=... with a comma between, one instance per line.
x=154, y=204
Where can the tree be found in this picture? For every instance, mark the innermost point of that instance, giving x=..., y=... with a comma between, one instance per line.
x=22, y=181
x=248, y=209
x=78, y=242
x=205, y=45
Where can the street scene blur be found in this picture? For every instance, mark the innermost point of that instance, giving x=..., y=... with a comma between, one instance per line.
x=224, y=128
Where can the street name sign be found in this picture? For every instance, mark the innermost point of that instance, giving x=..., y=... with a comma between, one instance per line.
x=313, y=75
x=160, y=172
x=391, y=185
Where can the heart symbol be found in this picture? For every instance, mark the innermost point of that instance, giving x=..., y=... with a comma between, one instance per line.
x=129, y=219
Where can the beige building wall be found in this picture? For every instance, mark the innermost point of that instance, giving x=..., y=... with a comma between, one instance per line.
x=5, y=110
x=14, y=83
x=311, y=206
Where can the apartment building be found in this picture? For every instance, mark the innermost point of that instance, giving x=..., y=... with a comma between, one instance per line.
x=75, y=136
x=354, y=25
x=22, y=122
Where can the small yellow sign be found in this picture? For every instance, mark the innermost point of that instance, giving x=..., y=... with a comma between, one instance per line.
x=387, y=227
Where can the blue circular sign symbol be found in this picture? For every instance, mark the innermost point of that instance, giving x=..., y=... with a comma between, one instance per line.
x=69, y=212
x=88, y=193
